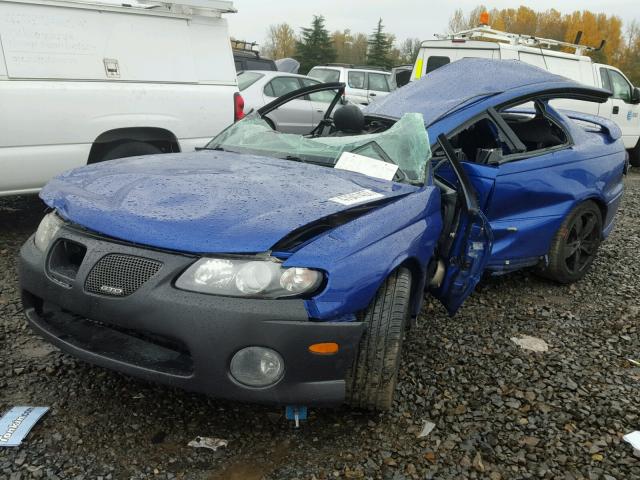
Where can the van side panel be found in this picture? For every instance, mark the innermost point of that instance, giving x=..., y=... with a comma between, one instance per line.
x=49, y=126
x=170, y=73
x=3, y=66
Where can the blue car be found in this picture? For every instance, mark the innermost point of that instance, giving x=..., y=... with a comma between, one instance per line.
x=286, y=269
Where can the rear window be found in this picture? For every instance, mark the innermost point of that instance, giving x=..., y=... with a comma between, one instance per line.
x=246, y=79
x=258, y=64
x=434, y=62
x=325, y=75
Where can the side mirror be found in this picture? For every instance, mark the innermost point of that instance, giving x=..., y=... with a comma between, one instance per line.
x=635, y=95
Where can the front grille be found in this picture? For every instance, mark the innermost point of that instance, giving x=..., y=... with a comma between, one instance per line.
x=120, y=275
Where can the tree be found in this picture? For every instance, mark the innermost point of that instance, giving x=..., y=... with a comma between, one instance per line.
x=380, y=45
x=315, y=46
x=409, y=49
x=280, y=43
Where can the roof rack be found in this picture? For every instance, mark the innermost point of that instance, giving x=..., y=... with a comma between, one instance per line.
x=350, y=65
x=484, y=31
x=245, y=48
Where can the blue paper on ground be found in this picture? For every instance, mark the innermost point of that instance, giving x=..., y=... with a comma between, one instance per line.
x=17, y=423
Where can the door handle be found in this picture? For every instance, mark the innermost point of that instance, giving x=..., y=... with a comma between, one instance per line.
x=372, y=94
x=616, y=109
x=319, y=111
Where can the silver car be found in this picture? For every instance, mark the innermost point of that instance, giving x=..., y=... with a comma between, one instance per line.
x=298, y=116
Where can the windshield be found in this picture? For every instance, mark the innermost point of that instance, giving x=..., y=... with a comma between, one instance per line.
x=325, y=74
x=405, y=144
x=246, y=79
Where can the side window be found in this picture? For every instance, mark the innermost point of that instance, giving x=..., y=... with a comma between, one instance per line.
x=478, y=140
x=323, y=97
x=378, y=82
x=434, y=62
x=606, y=82
x=281, y=86
x=534, y=128
x=620, y=87
x=356, y=79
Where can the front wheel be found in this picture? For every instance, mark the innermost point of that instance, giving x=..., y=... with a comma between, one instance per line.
x=372, y=380
x=575, y=245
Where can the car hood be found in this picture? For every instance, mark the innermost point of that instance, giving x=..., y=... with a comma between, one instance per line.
x=207, y=202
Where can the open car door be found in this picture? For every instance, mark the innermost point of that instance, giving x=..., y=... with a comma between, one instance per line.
x=472, y=241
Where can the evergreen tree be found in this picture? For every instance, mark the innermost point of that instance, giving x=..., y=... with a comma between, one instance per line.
x=315, y=46
x=380, y=45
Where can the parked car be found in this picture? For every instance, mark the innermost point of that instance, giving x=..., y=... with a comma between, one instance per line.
x=284, y=268
x=86, y=81
x=299, y=115
x=623, y=107
x=364, y=84
x=247, y=58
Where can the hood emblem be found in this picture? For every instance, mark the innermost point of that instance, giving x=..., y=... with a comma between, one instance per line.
x=111, y=290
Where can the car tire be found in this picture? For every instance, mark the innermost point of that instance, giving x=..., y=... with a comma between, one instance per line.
x=575, y=245
x=372, y=380
x=634, y=155
x=130, y=149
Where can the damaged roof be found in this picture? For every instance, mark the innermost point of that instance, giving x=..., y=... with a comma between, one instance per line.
x=470, y=80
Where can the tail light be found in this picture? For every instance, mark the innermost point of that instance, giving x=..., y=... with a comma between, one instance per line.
x=238, y=107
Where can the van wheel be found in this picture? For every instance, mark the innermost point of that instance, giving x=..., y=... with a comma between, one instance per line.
x=130, y=149
x=575, y=245
x=634, y=155
x=372, y=380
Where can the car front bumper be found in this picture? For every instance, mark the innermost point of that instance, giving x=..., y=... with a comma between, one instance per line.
x=179, y=338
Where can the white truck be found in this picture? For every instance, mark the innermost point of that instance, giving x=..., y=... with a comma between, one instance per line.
x=623, y=107
x=87, y=81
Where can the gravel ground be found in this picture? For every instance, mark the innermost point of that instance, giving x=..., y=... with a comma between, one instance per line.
x=500, y=412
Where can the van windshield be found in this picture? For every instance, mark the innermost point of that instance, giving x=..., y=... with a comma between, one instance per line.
x=405, y=144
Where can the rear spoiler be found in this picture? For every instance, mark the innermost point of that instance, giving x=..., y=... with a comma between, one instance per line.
x=607, y=126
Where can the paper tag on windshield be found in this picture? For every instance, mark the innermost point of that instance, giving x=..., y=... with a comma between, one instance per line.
x=367, y=166
x=356, y=197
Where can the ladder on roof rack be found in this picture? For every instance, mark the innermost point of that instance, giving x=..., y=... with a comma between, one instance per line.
x=484, y=31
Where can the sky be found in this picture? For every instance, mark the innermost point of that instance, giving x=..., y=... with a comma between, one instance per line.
x=404, y=18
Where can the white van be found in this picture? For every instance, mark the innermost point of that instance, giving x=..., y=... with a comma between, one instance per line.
x=87, y=81
x=623, y=107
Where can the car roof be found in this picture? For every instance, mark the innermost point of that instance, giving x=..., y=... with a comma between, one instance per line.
x=272, y=74
x=470, y=80
x=366, y=68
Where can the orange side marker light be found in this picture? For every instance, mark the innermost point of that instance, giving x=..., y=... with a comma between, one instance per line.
x=328, y=348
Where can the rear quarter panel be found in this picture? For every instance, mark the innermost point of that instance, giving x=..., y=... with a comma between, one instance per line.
x=534, y=195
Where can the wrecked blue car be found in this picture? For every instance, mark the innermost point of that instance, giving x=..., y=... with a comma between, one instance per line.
x=286, y=269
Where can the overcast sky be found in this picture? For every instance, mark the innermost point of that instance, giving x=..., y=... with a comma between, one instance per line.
x=404, y=18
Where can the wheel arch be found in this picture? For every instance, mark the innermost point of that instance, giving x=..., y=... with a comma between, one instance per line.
x=604, y=209
x=418, y=280
x=159, y=137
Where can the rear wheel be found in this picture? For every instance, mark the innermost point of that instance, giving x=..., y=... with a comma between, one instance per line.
x=634, y=155
x=130, y=149
x=372, y=380
x=575, y=245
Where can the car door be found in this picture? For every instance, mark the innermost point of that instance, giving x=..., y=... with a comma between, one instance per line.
x=377, y=85
x=620, y=109
x=472, y=239
x=295, y=116
x=356, y=91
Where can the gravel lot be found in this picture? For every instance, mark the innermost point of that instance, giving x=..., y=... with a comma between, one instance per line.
x=500, y=412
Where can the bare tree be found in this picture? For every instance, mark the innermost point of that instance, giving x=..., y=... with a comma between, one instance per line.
x=281, y=42
x=409, y=49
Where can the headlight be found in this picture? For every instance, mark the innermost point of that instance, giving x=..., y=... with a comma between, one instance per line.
x=47, y=229
x=248, y=278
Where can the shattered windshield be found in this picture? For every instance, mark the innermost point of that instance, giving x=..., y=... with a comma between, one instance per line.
x=405, y=144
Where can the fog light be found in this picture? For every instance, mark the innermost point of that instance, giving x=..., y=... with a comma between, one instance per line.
x=257, y=366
